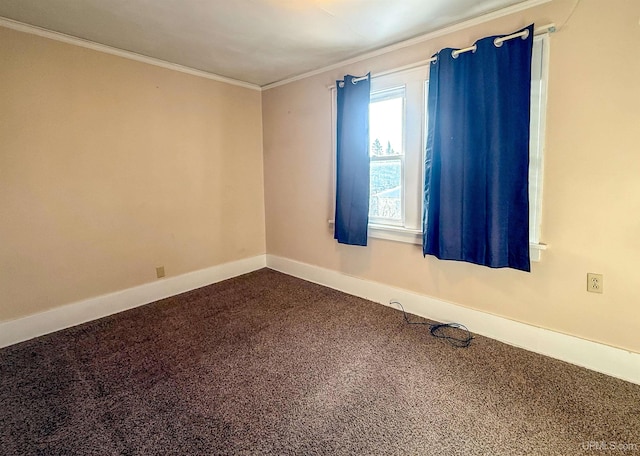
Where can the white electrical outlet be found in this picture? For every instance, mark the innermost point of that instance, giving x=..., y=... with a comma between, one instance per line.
x=594, y=283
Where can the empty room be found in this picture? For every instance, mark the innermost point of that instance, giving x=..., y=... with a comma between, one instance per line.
x=319, y=227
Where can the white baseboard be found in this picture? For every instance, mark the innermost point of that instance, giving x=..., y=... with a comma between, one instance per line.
x=602, y=358
x=25, y=328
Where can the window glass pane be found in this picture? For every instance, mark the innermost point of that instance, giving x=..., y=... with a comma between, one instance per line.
x=385, y=127
x=386, y=130
x=386, y=189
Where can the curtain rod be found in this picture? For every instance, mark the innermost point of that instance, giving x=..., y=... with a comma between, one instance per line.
x=549, y=28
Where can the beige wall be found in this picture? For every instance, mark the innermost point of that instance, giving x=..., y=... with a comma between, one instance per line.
x=110, y=167
x=591, y=216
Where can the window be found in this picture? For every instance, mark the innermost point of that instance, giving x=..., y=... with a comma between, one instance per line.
x=396, y=145
x=397, y=129
x=539, y=72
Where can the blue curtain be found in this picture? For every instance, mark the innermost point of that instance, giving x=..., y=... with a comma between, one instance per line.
x=476, y=203
x=352, y=165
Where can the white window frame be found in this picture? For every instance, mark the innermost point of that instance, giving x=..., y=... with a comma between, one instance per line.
x=539, y=69
x=413, y=81
x=404, y=232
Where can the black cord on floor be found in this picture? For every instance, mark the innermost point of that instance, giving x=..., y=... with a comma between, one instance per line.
x=437, y=329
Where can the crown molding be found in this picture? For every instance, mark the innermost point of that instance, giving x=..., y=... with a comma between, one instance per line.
x=69, y=39
x=418, y=39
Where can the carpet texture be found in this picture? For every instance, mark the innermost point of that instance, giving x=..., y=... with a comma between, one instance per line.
x=267, y=364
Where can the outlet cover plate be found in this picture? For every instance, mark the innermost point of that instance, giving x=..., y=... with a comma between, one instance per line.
x=595, y=283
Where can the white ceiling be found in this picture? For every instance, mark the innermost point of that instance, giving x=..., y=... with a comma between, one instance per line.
x=255, y=41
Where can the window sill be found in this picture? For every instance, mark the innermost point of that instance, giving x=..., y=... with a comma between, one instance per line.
x=398, y=234
x=535, y=251
x=395, y=233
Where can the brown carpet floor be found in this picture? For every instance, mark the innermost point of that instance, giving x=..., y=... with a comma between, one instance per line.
x=267, y=364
